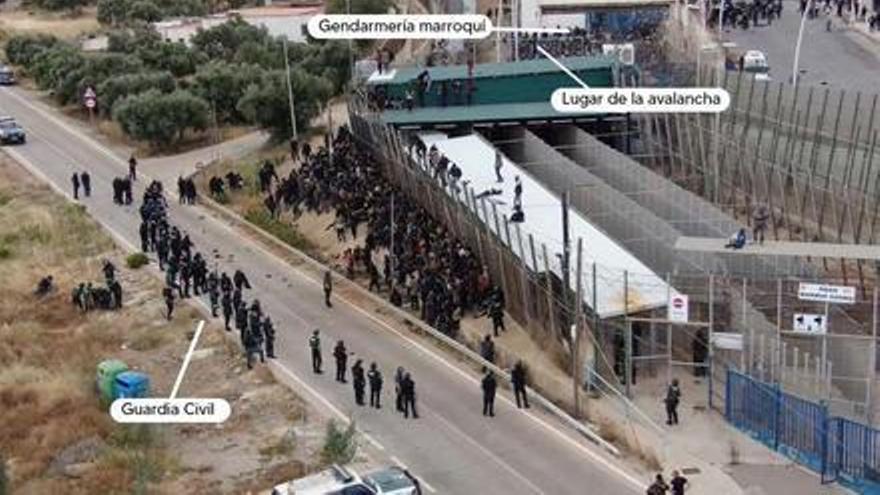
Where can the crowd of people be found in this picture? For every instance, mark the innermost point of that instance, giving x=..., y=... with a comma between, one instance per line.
x=87, y=297
x=401, y=249
x=187, y=274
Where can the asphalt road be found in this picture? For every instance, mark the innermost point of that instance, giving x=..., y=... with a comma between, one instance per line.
x=453, y=448
x=841, y=58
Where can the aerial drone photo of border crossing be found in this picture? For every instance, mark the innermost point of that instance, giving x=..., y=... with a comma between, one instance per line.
x=240, y=258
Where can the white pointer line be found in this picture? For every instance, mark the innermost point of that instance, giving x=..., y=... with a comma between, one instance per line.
x=503, y=29
x=564, y=68
x=189, y=353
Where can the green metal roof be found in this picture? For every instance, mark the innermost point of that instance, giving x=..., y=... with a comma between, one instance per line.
x=506, y=112
x=523, y=67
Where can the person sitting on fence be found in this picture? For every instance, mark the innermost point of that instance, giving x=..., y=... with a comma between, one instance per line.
x=737, y=241
x=518, y=216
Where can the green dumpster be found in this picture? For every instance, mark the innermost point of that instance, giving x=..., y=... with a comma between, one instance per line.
x=105, y=377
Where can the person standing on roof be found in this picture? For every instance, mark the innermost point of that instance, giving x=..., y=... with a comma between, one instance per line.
x=499, y=162
x=517, y=194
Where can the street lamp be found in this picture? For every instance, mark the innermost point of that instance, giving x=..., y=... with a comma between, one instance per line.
x=290, y=100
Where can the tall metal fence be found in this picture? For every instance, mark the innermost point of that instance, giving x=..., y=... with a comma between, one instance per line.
x=839, y=449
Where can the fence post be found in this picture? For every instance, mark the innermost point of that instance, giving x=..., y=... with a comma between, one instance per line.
x=710, y=344
x=727, y=396
x=777, y=409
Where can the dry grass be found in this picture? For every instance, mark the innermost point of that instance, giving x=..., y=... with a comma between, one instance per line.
x=63, y=25
x=629, y=444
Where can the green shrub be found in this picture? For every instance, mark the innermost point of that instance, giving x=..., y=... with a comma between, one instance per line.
x=136, y=260
x=21, y=49
x=284, y=232
x=340, y=445
x=5, y=252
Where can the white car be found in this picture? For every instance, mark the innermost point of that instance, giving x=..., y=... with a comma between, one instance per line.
x=755, y=62
x=338, y=480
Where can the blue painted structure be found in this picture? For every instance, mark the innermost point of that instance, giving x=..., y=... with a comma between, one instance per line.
x=839, y=449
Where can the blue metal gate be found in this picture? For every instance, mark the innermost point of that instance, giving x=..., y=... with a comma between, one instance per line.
x=839, y=449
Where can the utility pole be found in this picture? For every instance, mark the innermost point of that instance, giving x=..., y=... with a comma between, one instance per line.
x=290, y=93
x=568, y=310
x=350, y=46
x=498, y=33
x=576, y=333
x=566, y=261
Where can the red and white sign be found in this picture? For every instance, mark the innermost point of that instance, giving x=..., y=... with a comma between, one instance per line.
x=678, y=308
x=90, y=93
x=91, y=103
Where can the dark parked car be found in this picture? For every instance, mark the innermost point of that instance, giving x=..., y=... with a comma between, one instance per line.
x=11, y=132
x=7, y=77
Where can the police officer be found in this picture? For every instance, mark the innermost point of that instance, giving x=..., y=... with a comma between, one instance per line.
x=269, y=335
x=168, y=293
x=673, y=397
x=236, y=298
x=241, y=280
x=496, y=312
x=518, y=378
x=358, y=381
x=86, y=181
x=74, y=179
x=144, y=232
x=408, y=387
x=489, y=386
x=116, y=291
x=241, y=320
x=341, y=356
x=255, y=316
x=213, y=286
x=398, y=388
x=162, y=251
x=487, y=349
x=226, y=302
x=328, y=288
x=251, y=346
x=375, y=378
x=315, y=346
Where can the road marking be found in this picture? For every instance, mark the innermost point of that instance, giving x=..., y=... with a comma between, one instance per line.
x=187, y=358
x=566, y=438
x=497, y=460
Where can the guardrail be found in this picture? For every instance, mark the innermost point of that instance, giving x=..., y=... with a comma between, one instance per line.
x=587, y=430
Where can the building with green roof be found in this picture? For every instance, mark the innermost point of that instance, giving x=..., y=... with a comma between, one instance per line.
x=529, y=81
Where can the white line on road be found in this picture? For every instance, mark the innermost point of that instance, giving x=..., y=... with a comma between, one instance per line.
x=566, y=438
x=507, y=467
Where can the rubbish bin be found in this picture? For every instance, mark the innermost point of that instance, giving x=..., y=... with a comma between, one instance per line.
x=131, y=385
x=105, y=377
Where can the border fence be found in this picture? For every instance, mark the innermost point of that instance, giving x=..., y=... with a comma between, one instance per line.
x=839, y=449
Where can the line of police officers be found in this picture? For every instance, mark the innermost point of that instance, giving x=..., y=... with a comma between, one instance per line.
x=187, y=271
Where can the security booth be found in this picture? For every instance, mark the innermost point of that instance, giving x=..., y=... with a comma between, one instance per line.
x=105, y=377
x=131, y=385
